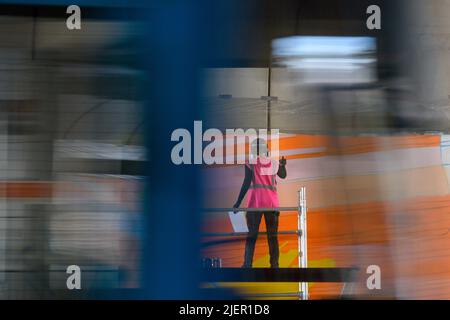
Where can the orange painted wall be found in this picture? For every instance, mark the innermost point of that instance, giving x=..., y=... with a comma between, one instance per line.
x=351, y=220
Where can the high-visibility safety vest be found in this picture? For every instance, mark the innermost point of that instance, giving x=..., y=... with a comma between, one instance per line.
x=263, y=189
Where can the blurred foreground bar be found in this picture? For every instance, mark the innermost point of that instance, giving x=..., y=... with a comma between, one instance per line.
x=280, y=274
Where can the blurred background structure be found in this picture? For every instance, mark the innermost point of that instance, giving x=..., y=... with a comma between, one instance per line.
x=72, y=150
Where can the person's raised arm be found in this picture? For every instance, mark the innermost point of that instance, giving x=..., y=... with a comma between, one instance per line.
x=282, y=168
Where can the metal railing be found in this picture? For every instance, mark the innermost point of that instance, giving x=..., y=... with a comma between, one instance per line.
x=301, y=233
x=302, y=239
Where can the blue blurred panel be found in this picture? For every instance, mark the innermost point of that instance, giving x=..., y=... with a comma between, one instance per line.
x=178, y=44
x=174, y=50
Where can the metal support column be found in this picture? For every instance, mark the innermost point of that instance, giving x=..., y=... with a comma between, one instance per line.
x=302, y=240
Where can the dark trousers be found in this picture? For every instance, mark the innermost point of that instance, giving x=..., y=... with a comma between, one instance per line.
x=253, y=222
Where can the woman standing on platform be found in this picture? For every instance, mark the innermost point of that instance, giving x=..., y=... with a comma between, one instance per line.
x=261, y=182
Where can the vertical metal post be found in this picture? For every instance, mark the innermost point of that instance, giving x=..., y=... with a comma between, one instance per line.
x=302, y=240
x=299, y=236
